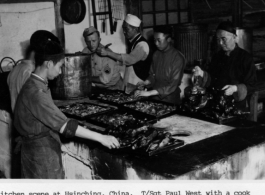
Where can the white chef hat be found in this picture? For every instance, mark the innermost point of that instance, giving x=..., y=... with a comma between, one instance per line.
x=133, y=20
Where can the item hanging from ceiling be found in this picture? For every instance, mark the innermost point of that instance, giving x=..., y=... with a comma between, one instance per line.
x=102, y=6
x=73, y=11
x=117, y=12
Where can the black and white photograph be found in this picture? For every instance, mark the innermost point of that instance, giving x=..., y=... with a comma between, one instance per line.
x=132, y=90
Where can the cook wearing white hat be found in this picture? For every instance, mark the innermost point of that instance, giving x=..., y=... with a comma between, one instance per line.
x=138, y=59
x=133, y=20
x=130, y=26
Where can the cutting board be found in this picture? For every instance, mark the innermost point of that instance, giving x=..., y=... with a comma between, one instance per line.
x=197, y=129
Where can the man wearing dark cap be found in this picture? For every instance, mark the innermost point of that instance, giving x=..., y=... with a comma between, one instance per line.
x=166, y=69
x=39, y=121
x=105, y=71
x=138, y=58
x=22, y=71
x=232, y=68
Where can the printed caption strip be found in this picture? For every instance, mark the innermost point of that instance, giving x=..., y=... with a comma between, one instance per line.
x=165, y=187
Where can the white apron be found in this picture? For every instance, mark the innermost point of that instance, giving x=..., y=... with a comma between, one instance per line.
x=130, y=76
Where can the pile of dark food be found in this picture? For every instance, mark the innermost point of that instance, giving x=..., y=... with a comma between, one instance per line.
x=146, y=140
x=213, y=104
x=119, y=120
x=117, y=97
x=152, y=108
x=83, y=109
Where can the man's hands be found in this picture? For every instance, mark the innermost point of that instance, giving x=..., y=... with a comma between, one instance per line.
x=229, y=89
x=141, y=91
x=138, y=93
x=145, y=93
x=102, y=51
x=197, y=71
x=141, y=84
x=109, y=141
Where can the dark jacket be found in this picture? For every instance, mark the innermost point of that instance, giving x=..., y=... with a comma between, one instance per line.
x=236, y=69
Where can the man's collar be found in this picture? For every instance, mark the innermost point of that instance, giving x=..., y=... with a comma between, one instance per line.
x=131, y=40
x=233, y=51
x=45, y=81
x=89, y=51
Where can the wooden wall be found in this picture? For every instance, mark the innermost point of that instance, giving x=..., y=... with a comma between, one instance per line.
x=212, y=12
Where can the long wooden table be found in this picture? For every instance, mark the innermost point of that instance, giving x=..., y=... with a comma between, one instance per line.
x=235, y=151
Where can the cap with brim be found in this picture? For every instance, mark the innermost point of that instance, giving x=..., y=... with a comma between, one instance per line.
x=89, y=31
x=132, y=20
x=227, y=26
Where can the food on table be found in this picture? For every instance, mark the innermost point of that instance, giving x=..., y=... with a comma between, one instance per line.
x=152, y=108
x=146, y=139
x=83, y=109
x=117, y=97
x=120, y=121
x=160, y=142
x=213, y=105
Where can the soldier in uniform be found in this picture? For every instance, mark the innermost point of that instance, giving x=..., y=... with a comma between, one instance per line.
x=105, y=71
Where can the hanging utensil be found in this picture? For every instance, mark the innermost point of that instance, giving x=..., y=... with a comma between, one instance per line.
x=100, y=9
x=114, y=8
x=103, y=22
x=117, y=12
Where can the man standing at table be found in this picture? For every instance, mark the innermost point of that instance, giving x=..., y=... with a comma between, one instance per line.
x=138, y=59
x=39, y=121
x=166, y=70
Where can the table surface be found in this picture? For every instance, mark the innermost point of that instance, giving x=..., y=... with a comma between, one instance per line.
x=237, y=136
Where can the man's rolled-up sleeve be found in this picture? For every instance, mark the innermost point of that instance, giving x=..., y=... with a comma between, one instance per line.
x=70, y=128
x=140, y=52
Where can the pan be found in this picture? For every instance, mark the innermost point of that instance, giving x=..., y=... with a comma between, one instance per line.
x=121, y=119
x=152, y=107
x=84, y=110
x=115, y=97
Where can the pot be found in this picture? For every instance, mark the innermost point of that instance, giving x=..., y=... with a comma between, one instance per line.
x=75, y=80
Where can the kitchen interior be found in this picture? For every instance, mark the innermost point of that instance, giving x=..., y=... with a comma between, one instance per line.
x=198, y=146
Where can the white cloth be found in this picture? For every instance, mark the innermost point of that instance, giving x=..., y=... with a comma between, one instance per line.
x=139, y=53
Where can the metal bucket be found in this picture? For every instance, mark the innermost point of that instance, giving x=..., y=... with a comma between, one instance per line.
x=75, y=80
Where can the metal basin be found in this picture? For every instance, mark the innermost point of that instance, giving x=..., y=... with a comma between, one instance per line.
x=75, y=80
